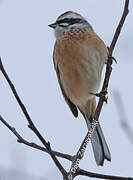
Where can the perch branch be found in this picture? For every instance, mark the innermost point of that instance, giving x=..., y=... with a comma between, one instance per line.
x=66, y=156
x=31, y=125
x=104, y=88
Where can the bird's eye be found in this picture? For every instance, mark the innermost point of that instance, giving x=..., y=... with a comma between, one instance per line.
x=66, y=20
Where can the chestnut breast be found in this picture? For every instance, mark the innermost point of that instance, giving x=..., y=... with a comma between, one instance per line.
x=80, y=55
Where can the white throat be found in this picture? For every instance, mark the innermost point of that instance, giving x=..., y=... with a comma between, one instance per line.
x=61, y=30
x=64, y=26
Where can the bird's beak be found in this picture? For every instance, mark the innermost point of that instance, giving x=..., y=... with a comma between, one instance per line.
x=53, y=25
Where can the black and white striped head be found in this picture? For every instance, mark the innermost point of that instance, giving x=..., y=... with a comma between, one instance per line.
x=67, y=21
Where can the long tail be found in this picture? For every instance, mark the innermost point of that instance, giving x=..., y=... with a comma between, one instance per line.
x=99, y=145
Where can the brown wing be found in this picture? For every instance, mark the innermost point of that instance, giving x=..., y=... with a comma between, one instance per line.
x=72, y=106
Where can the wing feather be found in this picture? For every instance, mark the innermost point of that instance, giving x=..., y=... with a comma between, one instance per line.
x=72, y=106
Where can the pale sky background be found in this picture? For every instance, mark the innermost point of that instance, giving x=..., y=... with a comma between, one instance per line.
x=26, y=47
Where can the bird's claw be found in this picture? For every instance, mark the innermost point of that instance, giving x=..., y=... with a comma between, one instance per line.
x=102, y=95
x=111, y=58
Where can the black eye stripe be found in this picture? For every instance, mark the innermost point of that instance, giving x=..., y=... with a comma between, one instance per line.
x=66, y=20
x=69, y=21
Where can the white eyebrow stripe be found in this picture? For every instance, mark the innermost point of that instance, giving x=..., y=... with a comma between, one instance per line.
x=63, y=24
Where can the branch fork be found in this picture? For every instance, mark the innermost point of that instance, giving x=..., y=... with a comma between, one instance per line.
x=74, y=170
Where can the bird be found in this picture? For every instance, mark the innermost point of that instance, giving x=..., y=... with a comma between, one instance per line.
x=79, y=56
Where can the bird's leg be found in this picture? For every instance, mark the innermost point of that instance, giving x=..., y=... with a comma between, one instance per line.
x=102, y=95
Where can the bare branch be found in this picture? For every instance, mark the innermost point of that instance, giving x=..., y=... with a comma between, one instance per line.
x=118, y=30
x=32, y=144
x=108, y=67
x=104, y=88
x=66, y=156
x=31, y=124
x=48, y=149
x=101, y=176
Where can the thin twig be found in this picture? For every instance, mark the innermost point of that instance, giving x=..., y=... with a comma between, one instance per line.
x=32, y=144
x=96, y=117
x=81, y=151
x=101, y=176
x=111, y=48
x=66, y=156
x=104, y=88
x=31, y=124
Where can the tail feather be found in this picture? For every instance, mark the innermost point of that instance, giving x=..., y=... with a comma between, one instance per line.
x=107, y=154
x=99, y=145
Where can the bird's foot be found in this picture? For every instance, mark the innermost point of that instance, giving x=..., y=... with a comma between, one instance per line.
x=111, y=58
x=102, y=95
